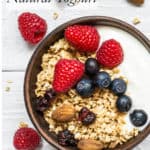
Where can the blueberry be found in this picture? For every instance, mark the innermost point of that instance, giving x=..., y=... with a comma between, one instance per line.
x=124, y=103
x=118, y=86
x=102, y=79
x=138, y=117
x=85, y=87
x=91, y=66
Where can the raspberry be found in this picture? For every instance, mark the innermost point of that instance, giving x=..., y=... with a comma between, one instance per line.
x=67, y=74
x=26, y=139
x=83, y=37
x=32, y=27
x=110, y=54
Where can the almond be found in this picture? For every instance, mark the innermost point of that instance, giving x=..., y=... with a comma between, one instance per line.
x=137, y=2
x=64, y=113
x=90, y=144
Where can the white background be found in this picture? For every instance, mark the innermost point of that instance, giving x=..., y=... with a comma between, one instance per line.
x=16, y=52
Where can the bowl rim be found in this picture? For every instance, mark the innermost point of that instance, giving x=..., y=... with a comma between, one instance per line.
x=104, y=21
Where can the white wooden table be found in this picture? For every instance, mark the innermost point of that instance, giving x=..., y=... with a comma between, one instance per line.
x=16, y=52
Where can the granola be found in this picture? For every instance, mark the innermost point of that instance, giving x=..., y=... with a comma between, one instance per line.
x=109, y=125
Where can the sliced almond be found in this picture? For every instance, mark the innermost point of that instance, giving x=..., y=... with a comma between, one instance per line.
x=64, y=113
x=90, y=144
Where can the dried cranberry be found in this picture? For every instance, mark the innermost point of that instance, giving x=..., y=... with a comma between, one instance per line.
x=66, y=138
x=86, y=116
x=83, y=113
x=90, y=118
x=42, y=104
x=50, y=94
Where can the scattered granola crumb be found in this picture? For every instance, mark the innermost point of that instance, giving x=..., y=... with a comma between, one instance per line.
x=55, y=15
x=7, y=89
x=23, y=124
x=136, y=21
x=9, y=81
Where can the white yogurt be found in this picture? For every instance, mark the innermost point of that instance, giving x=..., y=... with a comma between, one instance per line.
x=136, y=67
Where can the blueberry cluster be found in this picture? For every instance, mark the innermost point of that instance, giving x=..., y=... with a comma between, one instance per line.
x=102, y=80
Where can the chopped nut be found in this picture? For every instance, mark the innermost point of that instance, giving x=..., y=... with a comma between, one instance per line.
x=64, y=113
x=136, y=21
x=9, y=81
x=55, y=15
x=23, y=125
x=109, y=124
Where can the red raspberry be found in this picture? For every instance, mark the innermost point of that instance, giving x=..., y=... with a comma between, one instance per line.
x=26, y=139
x=67, y=73
x=83, y=37
x=32, y=27
x=110, y=54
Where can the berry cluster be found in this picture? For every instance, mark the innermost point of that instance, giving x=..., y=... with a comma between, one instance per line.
x=109, y=55
x=102, y=80
x=85, y=77
x=86, y=39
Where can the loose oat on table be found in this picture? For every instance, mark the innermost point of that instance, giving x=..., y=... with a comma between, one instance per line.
x=136, y=21
x=7, y=88
x=55, y=15
x=9, y=81
x=23, y=124
x=109, y=126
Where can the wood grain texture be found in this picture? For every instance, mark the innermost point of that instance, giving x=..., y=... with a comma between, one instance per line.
x=16, y=53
